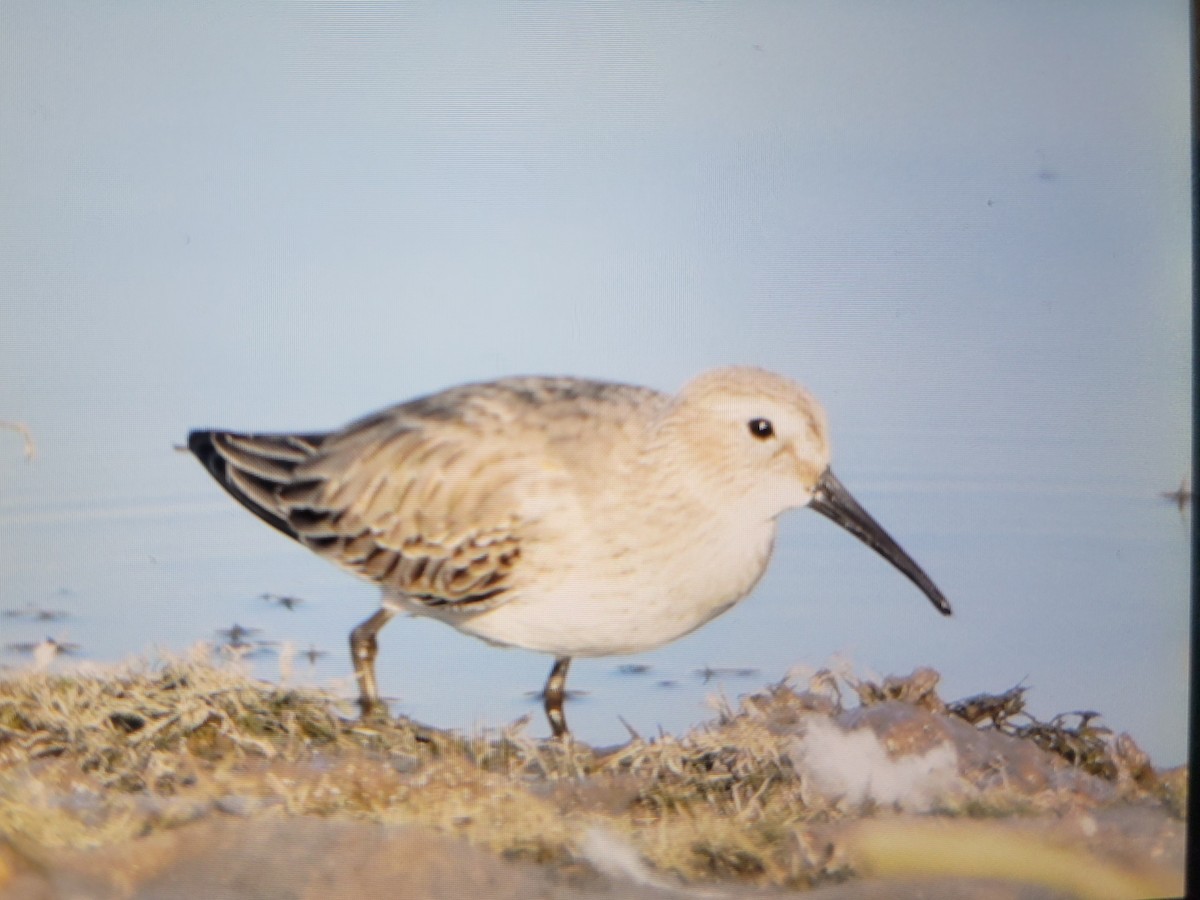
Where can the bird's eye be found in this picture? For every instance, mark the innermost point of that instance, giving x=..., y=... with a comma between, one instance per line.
x=762, y=428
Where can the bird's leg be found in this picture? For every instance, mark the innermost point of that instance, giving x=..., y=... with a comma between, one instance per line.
x=556, y=689
x=363, y=648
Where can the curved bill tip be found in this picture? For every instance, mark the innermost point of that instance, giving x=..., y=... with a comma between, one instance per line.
x=832, y=500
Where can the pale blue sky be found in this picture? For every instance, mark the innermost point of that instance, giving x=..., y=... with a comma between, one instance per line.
x=966, y=226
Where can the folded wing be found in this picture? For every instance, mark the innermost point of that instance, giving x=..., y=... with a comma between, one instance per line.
x=416, y=504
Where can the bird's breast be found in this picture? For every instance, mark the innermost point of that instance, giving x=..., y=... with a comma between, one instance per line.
x=712, y=571
x=627, y=599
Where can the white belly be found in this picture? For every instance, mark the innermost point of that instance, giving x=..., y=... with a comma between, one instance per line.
x=603, y=608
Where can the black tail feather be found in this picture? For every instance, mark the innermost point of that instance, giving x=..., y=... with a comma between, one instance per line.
x=207, y=447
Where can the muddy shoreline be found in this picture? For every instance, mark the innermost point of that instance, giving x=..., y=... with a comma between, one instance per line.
x=179, y=778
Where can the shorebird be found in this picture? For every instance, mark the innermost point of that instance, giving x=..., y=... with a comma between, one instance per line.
x=560, y=515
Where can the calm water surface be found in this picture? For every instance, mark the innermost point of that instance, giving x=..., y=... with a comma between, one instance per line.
x=1077, y=590
x=974, y=245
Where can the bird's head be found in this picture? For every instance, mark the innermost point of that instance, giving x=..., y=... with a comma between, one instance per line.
x=758, y=442
x=765, y=436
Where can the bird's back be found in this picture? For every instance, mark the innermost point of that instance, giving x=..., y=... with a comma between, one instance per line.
x=434, y=497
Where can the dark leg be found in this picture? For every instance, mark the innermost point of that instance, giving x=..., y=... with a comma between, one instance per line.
x=363, y=648
x=556, y=689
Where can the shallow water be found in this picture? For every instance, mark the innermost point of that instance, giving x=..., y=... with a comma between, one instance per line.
x=974, y=246
x=1076, y=591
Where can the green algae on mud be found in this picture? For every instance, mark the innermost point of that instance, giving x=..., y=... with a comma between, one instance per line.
x=93, y=763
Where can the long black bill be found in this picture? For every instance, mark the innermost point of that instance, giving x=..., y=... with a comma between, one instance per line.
x=832, y=500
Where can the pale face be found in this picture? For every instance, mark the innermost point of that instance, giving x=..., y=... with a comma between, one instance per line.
x=762, y=438
x=761, y=442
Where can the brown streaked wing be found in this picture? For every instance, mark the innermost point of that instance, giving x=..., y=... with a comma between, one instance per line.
x=392, y=500
x=421, y=497
x=253, y=468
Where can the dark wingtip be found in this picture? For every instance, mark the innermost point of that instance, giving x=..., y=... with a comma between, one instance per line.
x=202, y=444
x=204, y=448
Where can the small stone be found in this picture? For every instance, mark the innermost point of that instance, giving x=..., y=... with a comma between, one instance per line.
x=405, y=763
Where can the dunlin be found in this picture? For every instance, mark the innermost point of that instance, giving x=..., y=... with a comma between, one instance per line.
x=566, y=516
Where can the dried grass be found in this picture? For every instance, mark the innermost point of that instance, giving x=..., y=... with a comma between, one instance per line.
x=95, y=758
